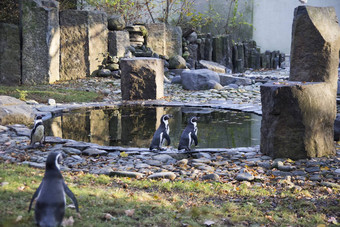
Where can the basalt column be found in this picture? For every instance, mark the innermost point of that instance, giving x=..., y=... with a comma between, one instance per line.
x=298, y=115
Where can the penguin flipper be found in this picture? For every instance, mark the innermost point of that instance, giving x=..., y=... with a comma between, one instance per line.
x=194, y=137
x=167, y=137
x=71, y=195
x=36, y=193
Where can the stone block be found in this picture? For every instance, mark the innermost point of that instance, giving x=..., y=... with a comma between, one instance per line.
x=84, y=38
x=40, y=41
x=213, y=66
x=316, y=58
x=10, y=72
x=297, y=120
x=208, y=47
x=217, y=53
x=142, y=78
x=164, y=39
x=119, y=41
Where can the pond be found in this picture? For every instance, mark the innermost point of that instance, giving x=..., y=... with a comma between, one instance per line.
x=134, y=126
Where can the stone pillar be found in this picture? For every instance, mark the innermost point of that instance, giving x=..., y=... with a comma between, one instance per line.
x=142, y=78
x=164, y=39
x=40, y=41
x=118, y=42
x=217, y=53
x=83, y=42
x=298, y=117
x=208, y=47
x=10, y=71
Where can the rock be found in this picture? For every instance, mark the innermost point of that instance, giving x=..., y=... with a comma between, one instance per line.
x=126, y=174
x=244, y=177
x=119, y=41
x=294, y=132
x=164, y=39
x=312, y=169
x=192, y=37
x=70, y=150
x=212, y=177
x=40, y=42
x=182, y=162
x=228, y=79
x=84, y=40
x=93, y=152
x=142, y=78
x=15, y=111
x=115, y=22
x=337, y=128
x=176, y=80
x=104, y=73
x=201, y=79
x=177, y=62
x=213, y=66
x=51, y=102
x=163, y=175
x=163, y=158
x=34, y=164
x=10, y=72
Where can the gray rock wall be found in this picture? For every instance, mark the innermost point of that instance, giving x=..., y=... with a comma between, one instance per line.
x=40, y=41
x=10, y=72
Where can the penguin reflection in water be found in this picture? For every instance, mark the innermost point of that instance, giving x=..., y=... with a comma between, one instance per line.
x=38, y=132
x=50, y=195
x=189, y=135
x=161, y=134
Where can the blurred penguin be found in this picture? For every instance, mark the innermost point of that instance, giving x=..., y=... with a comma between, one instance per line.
x=161, y=134
x=189, y=135
x=38, y=132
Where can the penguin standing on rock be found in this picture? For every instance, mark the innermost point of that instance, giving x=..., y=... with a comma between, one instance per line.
x=50, y=195
x=189, y=135
x=161, y=134
x=38, y=132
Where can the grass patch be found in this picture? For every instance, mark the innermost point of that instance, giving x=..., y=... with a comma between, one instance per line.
x=41, y=94
x=131, y=202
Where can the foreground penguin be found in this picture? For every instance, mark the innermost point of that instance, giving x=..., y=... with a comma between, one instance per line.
x=38, y=132
x=189, y=135
x=161, y=134
x=50, y=195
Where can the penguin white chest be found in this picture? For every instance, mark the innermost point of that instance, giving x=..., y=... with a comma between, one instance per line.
x=38, y=134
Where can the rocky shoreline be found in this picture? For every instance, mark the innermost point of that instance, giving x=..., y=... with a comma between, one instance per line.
x=235, y=164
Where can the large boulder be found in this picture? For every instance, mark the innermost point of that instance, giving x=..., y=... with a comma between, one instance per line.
x=15, y=111
x=177, y=62
x=115, y=23
x=142, y=78
x=201, y=79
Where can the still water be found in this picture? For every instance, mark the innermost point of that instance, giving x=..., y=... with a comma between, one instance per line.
x=134, y=126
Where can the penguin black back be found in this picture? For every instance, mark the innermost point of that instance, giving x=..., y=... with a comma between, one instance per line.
x=50, y=195
x=161, y=134
x=189, y=135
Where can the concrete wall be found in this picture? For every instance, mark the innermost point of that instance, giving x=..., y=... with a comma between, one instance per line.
x=273, y=21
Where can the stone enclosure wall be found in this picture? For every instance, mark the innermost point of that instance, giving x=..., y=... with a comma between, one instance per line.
x=53, y=44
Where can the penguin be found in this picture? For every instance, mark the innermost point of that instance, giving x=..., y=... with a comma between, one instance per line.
x=161, y=134
x=38, y=132
x=50, y=195
x=189, y=135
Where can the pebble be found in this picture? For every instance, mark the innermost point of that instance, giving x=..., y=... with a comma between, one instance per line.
x=165, y=175
x=244, y=177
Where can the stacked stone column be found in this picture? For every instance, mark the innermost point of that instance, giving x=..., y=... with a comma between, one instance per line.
x=298, y=116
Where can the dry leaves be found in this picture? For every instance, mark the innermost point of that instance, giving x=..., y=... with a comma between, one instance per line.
x=68, y=221
x=130, y=212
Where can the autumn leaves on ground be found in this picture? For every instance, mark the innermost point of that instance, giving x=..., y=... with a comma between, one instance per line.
x=106, y=201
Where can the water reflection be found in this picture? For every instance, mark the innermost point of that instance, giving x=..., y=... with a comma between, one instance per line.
x=134, y=126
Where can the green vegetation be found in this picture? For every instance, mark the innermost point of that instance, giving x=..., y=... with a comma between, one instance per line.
x=42, y=93
x=106, y=201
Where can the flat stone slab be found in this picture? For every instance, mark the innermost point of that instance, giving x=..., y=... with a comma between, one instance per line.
x=93, y=152
x=163, y=175
x=126, y=174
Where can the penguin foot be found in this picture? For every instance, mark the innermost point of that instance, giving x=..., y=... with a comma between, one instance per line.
x=162, y=148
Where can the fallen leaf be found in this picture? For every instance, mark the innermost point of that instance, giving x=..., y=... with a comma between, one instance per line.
x=270, y=218
x=321, y=225
x=18, y=218
x=129, y=212
x=329, y=190
x=123, y=154
x=68, y=221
